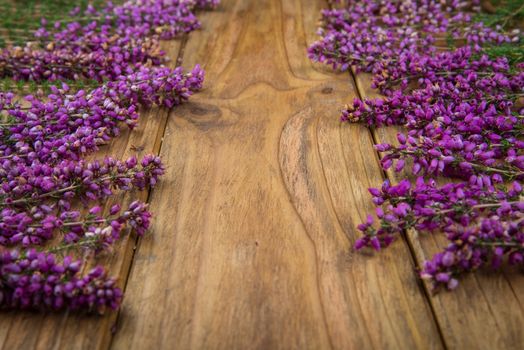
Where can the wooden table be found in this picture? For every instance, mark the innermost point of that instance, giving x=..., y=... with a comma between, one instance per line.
x=251, y=245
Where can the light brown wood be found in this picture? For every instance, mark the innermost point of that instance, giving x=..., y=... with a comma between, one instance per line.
x=255, y=218
x=25, y=330
x=486, y=310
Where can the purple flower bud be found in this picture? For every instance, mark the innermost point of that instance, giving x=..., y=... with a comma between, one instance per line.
x=452, y=284
x=448, y=259
x=95, y=210
x=114, y=209
x=360, y=243
x=442, y=277
x=375, y=243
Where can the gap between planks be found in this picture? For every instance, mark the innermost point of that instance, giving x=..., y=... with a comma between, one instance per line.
x=404, y=236
x=177, y=62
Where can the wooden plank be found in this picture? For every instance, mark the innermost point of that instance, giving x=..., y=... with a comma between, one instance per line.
x=25, y=330
x=255, y=219
x=486, y=310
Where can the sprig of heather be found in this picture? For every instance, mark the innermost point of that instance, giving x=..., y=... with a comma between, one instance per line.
x=421, y=107
x=24, y=186
x=167, y=19
x=460, y=67
x=42, y=280
x=427, y=207
x=117, y=40
x=457, y=156
x=34, y=205
x=368, y=34
x=66, y=126
x=98, y=57
x=488, y=243
x=41, y=223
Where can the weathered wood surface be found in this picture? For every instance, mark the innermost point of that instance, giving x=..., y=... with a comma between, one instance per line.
x=251, y=246
x=486, y=310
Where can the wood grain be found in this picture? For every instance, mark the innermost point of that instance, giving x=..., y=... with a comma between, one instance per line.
x=255, y=218
x=486, y=310
x=26, y=330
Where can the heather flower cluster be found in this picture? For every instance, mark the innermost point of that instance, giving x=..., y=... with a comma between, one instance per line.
x=51, y=198
x=101, y=44
x=461, y=108
x=37, y=280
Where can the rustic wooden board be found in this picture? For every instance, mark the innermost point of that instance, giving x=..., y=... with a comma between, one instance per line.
x=25, y=330
x=255, y=218
x=486, y=310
